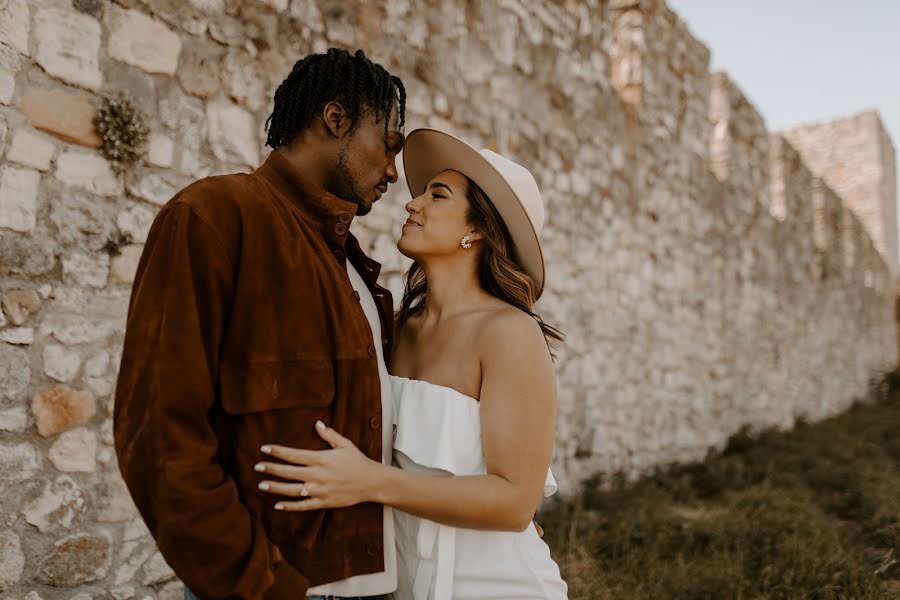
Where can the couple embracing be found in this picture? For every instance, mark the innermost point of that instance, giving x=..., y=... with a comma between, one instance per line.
x=283, y=432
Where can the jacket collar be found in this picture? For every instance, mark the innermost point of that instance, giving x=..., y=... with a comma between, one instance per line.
x=333, y=214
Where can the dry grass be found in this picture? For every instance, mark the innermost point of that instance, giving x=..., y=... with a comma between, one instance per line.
x=813, y=513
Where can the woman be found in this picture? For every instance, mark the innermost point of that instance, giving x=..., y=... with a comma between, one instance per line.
x=474, y=389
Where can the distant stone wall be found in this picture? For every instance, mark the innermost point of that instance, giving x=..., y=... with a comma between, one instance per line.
x=705, y=278
x=855, y=156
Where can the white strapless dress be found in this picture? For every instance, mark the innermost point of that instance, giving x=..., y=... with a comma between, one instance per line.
x=438, y=432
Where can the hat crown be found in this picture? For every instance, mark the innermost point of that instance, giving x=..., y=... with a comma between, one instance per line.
x=523, y=185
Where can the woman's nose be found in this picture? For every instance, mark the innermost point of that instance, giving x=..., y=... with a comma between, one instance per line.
x=413, y=205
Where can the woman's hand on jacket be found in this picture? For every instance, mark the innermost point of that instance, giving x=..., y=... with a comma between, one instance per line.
x=317, y=479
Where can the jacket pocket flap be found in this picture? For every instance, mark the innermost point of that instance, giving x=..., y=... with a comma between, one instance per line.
x=264, y=386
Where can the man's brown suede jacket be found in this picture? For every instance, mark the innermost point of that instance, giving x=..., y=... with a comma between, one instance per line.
x=243, y=329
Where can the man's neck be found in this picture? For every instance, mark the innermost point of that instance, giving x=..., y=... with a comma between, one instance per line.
x=312, y=161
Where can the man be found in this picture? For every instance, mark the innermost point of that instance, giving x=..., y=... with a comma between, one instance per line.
x=254, y=313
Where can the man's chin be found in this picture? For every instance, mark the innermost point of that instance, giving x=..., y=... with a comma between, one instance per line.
x=363, y=208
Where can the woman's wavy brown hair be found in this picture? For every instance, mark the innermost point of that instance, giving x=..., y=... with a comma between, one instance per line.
x=498, y=273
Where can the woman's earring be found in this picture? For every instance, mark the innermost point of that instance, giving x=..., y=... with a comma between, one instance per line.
x=465, y=243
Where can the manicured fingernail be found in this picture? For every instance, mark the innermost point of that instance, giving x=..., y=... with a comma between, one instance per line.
x=263, y=486
x=279, y=507
x=320, y=425
x=266, y=449
x=260, y=467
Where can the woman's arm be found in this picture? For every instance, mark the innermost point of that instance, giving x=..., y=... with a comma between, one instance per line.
x=518, y=415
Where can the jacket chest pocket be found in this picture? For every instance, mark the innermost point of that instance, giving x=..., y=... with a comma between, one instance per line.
x=274, y=385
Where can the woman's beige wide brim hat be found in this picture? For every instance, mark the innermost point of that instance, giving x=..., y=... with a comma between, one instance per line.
x=510, y=187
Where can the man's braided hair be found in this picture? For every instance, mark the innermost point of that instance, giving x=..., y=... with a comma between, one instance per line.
x=352, y=80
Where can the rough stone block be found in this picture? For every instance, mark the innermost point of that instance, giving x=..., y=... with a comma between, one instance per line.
x=161, y=150
x=279, y=5
x=124, y=266
x=157, y=570
x=19, y=198
x=232, y=133
x=76, y=559
x=15, y=374
x=66, y=115
x=75, y=450
x=137, y=219
x=83, y=220
x=226, y=30
x=59, y=408
x=243, y=80
x=308, y=13
x=20, y=304
x=86, y=269
x=30, y=150
x=12, y=560
x=14, y=24
x=14, y=419
x=68, y=46
x=97, y=365
x=157, y=188
x=60, y=363
x=9, y=66
x=142, y=41
x=19, y=336
x=18, y=462
x=88, y=172
x=26, y=256
x=115, y=503
x=79, y=329
x=199, y=70
x=59, y=504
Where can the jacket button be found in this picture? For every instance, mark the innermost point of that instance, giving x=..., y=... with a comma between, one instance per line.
x=374, y=422
x=372, y=351
x=371, y=550
x=344, y=218
x=339, y=254
x=356, y=294
x=340, y=229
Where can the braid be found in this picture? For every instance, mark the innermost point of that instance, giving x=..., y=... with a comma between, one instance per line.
x=353, y=80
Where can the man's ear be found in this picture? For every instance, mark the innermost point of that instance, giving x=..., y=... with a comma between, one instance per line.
x=336, y=120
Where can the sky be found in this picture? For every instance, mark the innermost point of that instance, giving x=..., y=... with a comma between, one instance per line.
x=803, y=61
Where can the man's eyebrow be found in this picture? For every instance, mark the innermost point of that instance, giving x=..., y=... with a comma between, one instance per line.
x=438, y=184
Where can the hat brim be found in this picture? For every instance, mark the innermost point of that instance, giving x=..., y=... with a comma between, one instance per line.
x=428, y=152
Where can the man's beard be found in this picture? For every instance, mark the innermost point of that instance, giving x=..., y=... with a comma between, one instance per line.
x=353, y=193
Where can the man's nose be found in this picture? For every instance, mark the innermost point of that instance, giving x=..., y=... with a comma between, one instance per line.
x=391, y=171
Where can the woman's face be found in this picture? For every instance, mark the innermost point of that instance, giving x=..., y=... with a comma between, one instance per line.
x=437, y=218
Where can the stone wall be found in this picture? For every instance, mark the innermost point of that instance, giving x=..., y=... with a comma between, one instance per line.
x=855, y=156
x=705, y=277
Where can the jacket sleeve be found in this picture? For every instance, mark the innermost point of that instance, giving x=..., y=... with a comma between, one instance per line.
x=166, y=447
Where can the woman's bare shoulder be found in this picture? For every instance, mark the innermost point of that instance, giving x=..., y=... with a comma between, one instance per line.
x=509, y=328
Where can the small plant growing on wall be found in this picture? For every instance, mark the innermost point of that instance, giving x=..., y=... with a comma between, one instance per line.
x=122, y=130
